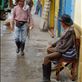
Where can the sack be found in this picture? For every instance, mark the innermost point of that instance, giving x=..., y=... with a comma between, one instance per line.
x=9, y=24
x=43, y=25
x=20, y=23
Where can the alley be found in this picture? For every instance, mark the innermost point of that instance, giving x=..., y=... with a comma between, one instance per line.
x=27, y=68
x=15, y=68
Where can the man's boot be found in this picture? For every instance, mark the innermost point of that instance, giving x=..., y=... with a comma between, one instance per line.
x=18, y=43
x=22, y=48
x=46, y=72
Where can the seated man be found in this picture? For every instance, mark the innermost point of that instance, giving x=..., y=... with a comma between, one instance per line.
x=61, y=48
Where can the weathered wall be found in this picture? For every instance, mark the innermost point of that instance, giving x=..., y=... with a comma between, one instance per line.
x=78, y=22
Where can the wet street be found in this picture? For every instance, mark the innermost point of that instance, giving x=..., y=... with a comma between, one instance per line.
x=27, y=68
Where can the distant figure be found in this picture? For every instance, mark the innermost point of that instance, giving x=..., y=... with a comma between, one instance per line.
x=38, y=8
x=30, y=3
x=65, y=47
x=21, y=18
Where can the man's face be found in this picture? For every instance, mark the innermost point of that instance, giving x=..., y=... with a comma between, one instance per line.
x=21, y=3
x=64, y=25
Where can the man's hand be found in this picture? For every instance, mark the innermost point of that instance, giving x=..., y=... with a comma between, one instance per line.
x=30, y=27
x=12, y=25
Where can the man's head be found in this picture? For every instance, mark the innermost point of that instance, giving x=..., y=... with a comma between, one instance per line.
x=66, y=21
x=20, y=3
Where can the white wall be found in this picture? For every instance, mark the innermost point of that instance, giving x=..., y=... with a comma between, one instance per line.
x=78, y=13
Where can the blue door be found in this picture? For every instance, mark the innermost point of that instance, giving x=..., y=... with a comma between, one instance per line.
x=61, y=11
x=67, y=7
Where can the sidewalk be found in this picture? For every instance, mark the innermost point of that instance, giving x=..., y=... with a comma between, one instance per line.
x=16, y=68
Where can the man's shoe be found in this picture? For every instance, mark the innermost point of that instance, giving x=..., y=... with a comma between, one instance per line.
x=45, y=81
x=22, y=53
x=18, y=46
x=18, y=50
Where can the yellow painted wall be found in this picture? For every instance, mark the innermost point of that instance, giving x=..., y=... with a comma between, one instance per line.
x=80, y=63
x=42, y=2
x=78, y=22
x=53, y=10
x=78, y=12
x=80, y=58
x=52, y=13
x=56, y=8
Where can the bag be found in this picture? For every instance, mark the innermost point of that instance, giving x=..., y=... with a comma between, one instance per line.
x=20, y=23
x=43, y=25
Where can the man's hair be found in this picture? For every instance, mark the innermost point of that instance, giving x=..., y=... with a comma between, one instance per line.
x=66, y=19
x=18, y=1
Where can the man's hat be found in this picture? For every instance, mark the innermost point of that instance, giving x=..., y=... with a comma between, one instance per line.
x=66, y=19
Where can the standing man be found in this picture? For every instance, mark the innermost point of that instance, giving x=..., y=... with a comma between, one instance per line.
x=20, y=18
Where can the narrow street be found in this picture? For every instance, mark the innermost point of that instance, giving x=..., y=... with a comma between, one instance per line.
x=27, y=68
